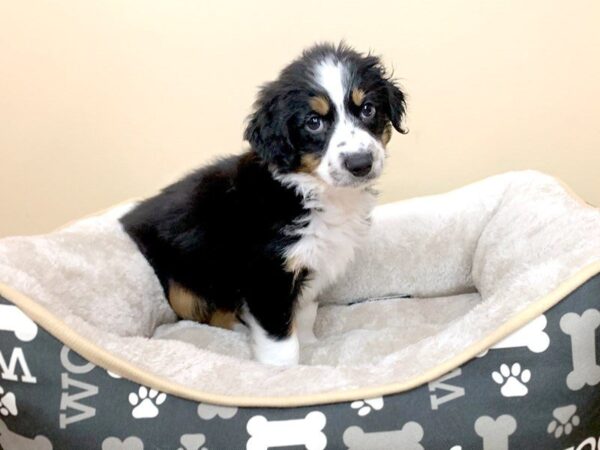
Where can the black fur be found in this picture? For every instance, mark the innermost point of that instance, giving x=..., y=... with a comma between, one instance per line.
x=276, y=128
x=222, y=231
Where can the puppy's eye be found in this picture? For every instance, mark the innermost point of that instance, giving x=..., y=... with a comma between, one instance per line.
x=367, y=111
x=314, y=124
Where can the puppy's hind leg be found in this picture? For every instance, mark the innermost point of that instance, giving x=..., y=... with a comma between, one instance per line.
x=272, y=343
x=269, y=349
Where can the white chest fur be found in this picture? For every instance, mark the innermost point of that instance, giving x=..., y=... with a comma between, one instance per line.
x=338, y=221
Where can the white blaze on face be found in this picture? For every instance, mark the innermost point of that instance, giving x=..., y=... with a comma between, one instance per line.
x=347, y=136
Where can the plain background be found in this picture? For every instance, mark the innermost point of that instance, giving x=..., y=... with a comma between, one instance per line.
x=102, y=101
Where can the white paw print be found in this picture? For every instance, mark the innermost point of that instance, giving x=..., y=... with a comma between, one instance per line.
x=146, y=402
x=513, y=381
x=564, y=420
x=8, y=403
x=365, y=406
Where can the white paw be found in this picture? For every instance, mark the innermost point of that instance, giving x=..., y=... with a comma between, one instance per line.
x=513, y=381
x=8, y=403
x=146, y=403
x=564, y=420
x=271, y=350
x=282, y=352
x=365, y=406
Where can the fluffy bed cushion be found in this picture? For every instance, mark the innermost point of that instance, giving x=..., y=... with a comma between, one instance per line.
x=471, y=259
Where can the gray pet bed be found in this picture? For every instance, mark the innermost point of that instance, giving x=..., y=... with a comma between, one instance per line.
x=496, y=348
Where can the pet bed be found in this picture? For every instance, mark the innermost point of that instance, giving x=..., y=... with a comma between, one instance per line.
x=496, y=346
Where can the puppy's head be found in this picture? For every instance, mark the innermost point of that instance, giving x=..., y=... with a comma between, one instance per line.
x=329, y=114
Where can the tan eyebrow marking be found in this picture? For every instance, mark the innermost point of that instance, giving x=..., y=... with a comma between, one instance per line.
x=358, y=95
x=319, y=104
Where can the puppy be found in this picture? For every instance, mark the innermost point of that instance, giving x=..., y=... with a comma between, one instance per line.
x=259, y=235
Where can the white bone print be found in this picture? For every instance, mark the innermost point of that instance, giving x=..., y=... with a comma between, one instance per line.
x=531, y=336
x=280, y=433
x=582, y=330
x=11, y=440
x=15, y=320
x=495, y=432
x=407, y=438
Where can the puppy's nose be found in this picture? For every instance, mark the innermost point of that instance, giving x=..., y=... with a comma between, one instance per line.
x=359, y=164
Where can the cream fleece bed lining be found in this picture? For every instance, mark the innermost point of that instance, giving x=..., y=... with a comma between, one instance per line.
x=519, y=238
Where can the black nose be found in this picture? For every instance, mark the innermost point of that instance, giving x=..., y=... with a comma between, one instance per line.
x=359, y=164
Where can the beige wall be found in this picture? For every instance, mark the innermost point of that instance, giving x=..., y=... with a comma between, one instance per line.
x=101, y=101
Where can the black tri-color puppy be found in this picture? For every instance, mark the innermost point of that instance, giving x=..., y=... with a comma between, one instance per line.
x=259, y=235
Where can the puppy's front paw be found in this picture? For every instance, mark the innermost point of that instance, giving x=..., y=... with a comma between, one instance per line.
x=277, y=352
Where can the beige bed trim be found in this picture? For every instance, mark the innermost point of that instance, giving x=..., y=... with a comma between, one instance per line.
x=103, y=358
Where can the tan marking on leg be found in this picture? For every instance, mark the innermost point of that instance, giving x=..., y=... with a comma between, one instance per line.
x=358, y=95
x=186, y=304
x=319, y=104
x=223, y=319
x=309, y=163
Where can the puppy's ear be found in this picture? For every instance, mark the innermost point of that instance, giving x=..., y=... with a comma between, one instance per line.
x=396, y=105
x=267, y=130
